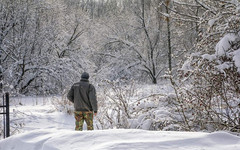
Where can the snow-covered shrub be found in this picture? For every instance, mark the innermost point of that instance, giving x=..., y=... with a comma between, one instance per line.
x=114, y=105
x=124, y=105
x=154, y=112
x=209, y=98
x=62, y=104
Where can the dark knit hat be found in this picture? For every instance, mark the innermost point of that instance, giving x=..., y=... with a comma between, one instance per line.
x=85, y=75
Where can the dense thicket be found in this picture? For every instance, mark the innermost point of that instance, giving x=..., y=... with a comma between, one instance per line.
x=46, y=45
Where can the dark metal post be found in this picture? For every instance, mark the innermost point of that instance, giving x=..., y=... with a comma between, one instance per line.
x=4, y=120
x=7, y=116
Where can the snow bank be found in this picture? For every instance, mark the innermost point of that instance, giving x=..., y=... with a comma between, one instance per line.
x=54, y=139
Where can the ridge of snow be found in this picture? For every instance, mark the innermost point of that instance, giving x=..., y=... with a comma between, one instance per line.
x=119, y=139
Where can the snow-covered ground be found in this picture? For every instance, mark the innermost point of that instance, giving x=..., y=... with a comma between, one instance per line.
x=46, y=129
x=55, y=139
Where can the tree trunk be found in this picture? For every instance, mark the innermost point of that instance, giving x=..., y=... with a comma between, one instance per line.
x=169, y=38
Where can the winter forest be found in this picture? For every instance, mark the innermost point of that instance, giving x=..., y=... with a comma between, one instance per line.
x=171, y=65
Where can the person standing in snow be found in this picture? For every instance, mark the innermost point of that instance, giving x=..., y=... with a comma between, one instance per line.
x=83, y=95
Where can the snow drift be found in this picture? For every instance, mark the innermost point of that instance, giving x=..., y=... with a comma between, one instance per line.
x=53, y=139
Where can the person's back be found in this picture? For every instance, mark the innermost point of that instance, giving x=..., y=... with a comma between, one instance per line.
x=83, y=95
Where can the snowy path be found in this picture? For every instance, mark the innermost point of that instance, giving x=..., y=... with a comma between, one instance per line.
x=43, y=117
x=46, y=129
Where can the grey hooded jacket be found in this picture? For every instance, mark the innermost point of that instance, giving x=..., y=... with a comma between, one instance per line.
x=83, y=95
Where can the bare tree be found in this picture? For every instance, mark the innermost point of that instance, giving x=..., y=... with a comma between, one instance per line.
x=144, y=42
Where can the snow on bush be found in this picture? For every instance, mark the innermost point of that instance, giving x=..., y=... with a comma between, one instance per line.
x=225, y=44
x=126, y=106
x=62, y=104
x=236, y=58
x=209, y=95
x=134, y=106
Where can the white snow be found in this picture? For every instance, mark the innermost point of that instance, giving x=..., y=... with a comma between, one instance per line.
x=186, y=66
x=209, y=57
x=223, y=49
x=223, y=66
x=47, y=129
x=54, y=139
x=235, y=2
x=236, y=59
x=224, y=44
x=211, y=22
x=238, y=9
